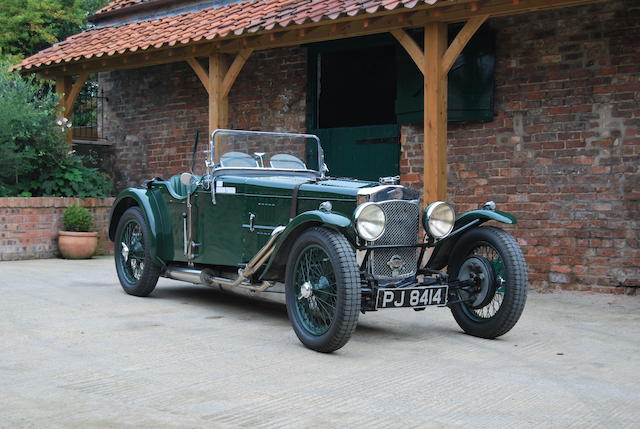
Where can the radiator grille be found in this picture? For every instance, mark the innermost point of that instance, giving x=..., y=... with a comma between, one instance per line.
x=403, y=219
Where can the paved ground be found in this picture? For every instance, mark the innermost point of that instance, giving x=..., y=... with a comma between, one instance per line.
x=75, y=351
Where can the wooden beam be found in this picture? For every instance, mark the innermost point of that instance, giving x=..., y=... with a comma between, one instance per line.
x=133, y=60
x=200, y=71
x=218, y=103
x=63, y=88
x=435, y=114
x=341, y=28
x=234, y=70
x=411, y=47
x=448, y=12
x=70, y=99
x=461, y=40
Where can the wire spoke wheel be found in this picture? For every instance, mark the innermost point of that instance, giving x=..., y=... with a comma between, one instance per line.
x=137, y=272
x=132, y=251
x=315, y=287
x=491, y=254
x=322, y=283
x=505, y=271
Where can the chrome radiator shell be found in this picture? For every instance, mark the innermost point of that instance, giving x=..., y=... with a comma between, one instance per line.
x=403, y=220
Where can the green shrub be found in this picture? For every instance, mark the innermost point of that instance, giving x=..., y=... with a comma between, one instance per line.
x=34, y=155
x=77, y=219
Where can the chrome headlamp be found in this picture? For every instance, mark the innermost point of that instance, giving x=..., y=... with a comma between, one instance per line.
x=438, y=219
x=370, y=221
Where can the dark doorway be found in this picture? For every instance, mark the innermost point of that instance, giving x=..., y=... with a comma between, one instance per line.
x=357, y=87
x=352, y=106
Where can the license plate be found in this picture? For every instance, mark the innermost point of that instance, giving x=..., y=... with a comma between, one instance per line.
x=414, y=297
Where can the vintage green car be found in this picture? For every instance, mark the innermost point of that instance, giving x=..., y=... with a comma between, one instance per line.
x=265, y=220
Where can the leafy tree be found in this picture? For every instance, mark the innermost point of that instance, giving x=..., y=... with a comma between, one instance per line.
x=28, y=26
x=34, y=155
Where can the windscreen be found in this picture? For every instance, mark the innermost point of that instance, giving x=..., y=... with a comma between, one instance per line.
x=253, y=149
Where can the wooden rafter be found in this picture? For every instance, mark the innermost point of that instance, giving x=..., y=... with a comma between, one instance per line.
x=316, y=32
x=234, y=70
x=411, y=47
x=447, y=12
x=131, y=60
x=230, y=74
x=200, y=72
x=70, y=99
x=68, y=93
x=461, y=40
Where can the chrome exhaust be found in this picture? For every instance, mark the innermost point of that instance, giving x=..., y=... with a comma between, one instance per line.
x=184, y=274
x=206, y=278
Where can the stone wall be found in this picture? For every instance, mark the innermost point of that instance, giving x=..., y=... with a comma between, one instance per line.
x=29, y=226
x=563, y=151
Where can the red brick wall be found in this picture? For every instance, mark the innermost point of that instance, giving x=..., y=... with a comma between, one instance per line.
x=152, y=114
x=29, y=226
x=563, y=152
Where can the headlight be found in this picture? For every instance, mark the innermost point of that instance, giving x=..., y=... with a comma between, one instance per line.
x=370, y=221
x=438, y=219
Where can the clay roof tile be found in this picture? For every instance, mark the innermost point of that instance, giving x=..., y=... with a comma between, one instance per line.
x=209, y=23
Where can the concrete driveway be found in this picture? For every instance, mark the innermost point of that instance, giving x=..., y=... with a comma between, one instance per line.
x=76, y=351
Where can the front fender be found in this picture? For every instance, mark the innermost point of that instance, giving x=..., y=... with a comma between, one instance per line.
x=472, y=219
x=299, y=224
x=142, y=198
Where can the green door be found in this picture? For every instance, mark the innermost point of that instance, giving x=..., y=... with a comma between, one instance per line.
x=366, y=152
x=351, y=106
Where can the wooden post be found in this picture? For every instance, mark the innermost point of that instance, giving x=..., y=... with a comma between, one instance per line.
x=63, y=89
x=68, y=94
x=435, y=114
x=220, y=79
x=218, y=102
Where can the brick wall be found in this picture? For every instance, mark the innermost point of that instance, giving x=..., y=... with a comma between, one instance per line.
x=29, y=226
x=563, y=152
x=152, y=114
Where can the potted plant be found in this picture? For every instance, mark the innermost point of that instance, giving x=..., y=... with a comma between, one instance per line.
x=76, y=241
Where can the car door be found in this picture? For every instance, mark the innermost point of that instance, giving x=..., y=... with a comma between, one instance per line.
x=267, y=205
x=218, y=226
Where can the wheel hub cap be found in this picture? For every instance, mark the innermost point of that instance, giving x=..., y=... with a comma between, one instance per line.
x=125, y=251
x=306, y=290
x=481, y=270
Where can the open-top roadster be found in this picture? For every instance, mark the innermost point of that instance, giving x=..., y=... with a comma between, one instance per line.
x=265, y=220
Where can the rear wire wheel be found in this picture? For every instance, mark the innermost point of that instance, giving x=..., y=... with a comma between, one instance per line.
x=137, y=272
x=323, y=289
x=492, y=254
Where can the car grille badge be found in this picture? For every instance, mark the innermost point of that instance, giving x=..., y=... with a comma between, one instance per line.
x=396, y=263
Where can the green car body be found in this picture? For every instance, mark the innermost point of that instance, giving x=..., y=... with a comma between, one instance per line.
x=223, y=229
x=241, y=226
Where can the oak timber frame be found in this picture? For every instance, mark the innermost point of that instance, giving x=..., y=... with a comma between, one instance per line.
x=434, y=61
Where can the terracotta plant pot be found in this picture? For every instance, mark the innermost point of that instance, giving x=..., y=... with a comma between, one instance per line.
x=77, y=245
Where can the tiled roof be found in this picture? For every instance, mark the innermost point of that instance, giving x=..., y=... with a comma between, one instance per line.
x=119, y=4
x=207, y=24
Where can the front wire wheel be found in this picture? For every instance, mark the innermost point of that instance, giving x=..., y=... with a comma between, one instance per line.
x=495, y=258
x=323, y=289
x=137, y=272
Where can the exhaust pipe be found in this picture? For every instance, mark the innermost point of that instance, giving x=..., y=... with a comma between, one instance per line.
x=183, y=274
x=203, y=277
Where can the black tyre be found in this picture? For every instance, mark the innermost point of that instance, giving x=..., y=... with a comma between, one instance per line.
x=137, y=271
x=323, y=289
x=493, y=256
